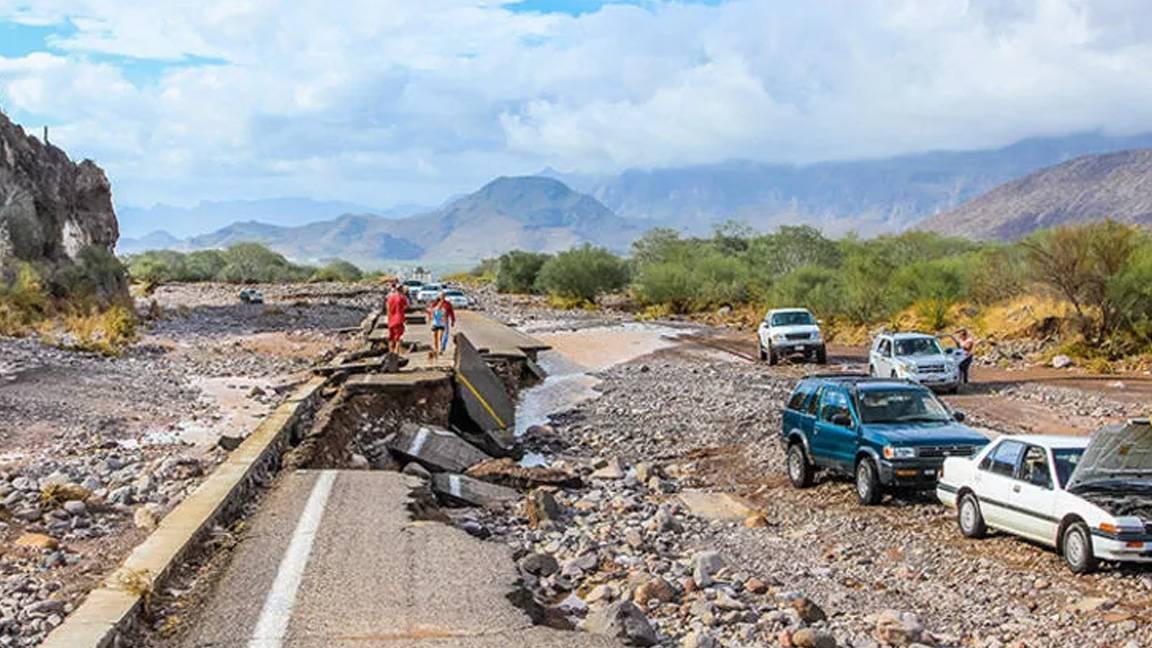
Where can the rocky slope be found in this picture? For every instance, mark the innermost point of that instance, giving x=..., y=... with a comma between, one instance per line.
x=1091, y=188
x=51, y=208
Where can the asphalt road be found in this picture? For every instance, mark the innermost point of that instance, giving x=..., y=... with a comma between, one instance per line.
x=332, y=558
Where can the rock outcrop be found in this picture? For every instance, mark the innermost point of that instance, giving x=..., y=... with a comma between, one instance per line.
x=51, y=208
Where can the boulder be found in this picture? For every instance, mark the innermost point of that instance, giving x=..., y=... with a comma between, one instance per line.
x=622, y=620
x=542, y=508
x=704, y=567
x=1062, y=362
x=898, y=629
x=809, y=638
x=37, y=541
x=655, y=588
x=539, y=564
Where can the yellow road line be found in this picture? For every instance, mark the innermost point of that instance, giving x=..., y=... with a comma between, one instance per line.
x=488, y=408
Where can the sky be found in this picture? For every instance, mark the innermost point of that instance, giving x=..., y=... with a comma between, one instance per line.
x=384, y=102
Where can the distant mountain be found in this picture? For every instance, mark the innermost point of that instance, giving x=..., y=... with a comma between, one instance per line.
x=866, y=196
x=158, y=240
x=1090, y=188
x=209, y=215
x=528, y=213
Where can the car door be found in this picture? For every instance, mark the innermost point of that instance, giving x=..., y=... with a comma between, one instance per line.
x=1033, y=496
x=835, y=428
x=994, y=484
x=882, y=357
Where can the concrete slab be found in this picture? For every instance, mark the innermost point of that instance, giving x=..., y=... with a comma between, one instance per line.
x=473, y=491
x=481, y=390
x=373, y=577
x=436, y=448
x=716, y=506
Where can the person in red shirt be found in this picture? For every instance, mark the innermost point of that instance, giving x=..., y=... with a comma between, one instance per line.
x=396, y=308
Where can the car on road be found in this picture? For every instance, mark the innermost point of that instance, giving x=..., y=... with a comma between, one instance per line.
x=787, y=332
x=1090, y=499
x=917, y=357
x=457, y=298
x=886, y=433
x=413, y=286
x=429, y=292
x=251, y=296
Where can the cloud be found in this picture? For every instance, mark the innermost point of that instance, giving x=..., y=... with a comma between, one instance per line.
x=413, y=100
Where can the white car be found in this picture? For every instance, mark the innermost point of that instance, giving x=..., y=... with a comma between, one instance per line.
x=917, y=357
x=429, y=292
x=1091, y=499
x=791, y=331
x=457, y=298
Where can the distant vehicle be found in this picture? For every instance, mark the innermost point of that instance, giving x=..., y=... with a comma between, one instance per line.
x=429, y=292
x=457, y=298
x=1090, y=499
x=917, y=357
x=251, y=296
x=886, y=433
x=790, y=332
x=413, y=285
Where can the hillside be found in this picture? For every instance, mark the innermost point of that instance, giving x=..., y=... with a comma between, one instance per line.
x=529, y=213
x=866, y=196
x=1095, y=187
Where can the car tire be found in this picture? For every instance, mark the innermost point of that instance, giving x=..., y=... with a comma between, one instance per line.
x=772, y=357
x=893, y=375
x=763, y=353
x=969, y=518
x=1076, y=546
x=822, y=356
x=800, y=470
x=868, y=489
x=872, y=371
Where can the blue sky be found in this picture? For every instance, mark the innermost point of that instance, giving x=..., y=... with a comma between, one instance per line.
x=411, y=101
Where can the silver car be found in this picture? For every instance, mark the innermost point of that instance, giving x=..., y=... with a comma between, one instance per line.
x=917, y=357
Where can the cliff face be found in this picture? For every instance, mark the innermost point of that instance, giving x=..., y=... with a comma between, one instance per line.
x=51, y=208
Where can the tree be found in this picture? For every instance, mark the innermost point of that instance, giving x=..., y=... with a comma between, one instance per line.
x=791, y=247
x=814, y=287
x=516, y=271
x=659, y=245
x=338, y=270
x=252, y=262
x=583, y=273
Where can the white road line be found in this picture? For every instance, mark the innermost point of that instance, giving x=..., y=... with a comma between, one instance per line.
x=277, y=610
x=419, y=441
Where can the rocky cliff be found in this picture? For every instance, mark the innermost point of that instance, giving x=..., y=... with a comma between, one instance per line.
x=51, y=208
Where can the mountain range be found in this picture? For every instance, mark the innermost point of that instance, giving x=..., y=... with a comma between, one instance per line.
x=1093, y=187
x=553, y=211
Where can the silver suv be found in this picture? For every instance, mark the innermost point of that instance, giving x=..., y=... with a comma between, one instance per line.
x=917, y=357
x=789, y=332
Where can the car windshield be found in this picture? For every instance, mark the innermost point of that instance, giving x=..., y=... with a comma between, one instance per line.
x=921, y=346
x=1066, y=461
x=792, y=318
x=901, y=406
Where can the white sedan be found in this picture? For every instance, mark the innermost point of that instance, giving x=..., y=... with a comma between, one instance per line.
x=457, y=298
x=1091, y=499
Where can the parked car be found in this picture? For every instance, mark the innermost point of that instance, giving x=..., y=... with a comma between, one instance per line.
x=1090, y=499
x=413, y=286
x=251, y=296
x=885, y=433
x=917, y=357
x=789, y=332
x=457, y=298
x=429, y=292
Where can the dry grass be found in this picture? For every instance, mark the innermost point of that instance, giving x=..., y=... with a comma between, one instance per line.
x=56, y=494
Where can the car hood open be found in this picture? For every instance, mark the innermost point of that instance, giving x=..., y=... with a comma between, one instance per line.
x=1116, y=452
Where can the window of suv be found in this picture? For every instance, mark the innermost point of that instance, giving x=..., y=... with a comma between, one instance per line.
x=885, y=347
x=1003, y=460
x=792, y=318
x=901, y=406
x=832, y=403
x=800, y=396
x=918, y=346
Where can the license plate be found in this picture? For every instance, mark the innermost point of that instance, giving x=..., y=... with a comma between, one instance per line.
x=930, y=473
x=800, y=347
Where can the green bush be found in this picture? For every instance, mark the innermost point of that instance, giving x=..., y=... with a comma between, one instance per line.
x=583, y=273
x=815, y=287
x=338, y=270
x=517, y=271
x=665, y=283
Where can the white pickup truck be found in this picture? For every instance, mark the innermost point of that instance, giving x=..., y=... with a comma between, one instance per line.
x=1091, y=499
x=789, y=332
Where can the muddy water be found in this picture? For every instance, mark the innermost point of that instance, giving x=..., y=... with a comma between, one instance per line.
x=575, y=357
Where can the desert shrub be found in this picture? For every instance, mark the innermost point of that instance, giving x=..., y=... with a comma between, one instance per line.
x=583, y=273
x=517, y=271
x=717, y=280
x=106, y=331
x=792, y=247
x=254, y=263
x=202, y=265
x=814, y=287
x=995, y=274
x=23, y=300
x=665, y=283
x=931, y=288
x=1131, y=291
x=158, y=266
x=338, y=270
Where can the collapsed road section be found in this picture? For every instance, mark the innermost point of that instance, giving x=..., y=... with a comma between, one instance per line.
x=347, y=546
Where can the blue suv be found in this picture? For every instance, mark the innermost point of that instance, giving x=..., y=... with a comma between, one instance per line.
x=887, y=433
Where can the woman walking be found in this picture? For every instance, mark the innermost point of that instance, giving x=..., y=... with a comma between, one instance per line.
x=441, y=316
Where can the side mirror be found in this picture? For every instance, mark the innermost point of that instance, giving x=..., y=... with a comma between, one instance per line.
x=959, y=416
x=842, y=419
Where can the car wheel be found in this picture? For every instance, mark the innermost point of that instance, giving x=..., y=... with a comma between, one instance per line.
x=763, y=353
x=799, y=470
x=867, y=483
x=893, y=374
x=822, y=356
x=969, y=517
x=1077, y=547
x=872, y=371
x=772, y=357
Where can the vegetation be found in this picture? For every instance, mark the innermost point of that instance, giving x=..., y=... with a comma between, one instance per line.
x=240, y=263
x=1102, y=272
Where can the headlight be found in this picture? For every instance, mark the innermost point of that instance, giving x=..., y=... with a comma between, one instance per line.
x=891, y=452
x=906, y=367
x=777, y=337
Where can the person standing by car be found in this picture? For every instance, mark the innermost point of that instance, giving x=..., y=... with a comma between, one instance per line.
x=967, y=343
x=396, y=308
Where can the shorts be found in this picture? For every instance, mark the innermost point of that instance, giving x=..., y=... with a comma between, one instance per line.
x=437, y=328
x=395, y=332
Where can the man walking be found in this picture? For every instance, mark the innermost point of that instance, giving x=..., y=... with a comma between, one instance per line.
x=967, y=344
x=396, y=308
